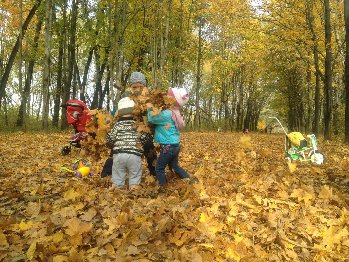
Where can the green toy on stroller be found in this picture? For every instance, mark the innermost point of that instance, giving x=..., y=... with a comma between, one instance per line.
x=297, y=148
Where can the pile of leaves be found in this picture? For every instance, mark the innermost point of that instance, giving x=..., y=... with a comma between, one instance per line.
x=97, y=128
x=248, y=205
x=160, y=101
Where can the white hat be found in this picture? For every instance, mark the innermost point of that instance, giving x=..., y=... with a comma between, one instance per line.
x=180, y=94
x=137, y=77
x=125, y=106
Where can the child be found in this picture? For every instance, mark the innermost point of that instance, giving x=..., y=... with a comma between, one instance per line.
x=167, y=126
x=127, y=147
x=137, y=87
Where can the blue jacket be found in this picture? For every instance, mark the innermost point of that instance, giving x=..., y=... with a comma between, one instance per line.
x=165, y=128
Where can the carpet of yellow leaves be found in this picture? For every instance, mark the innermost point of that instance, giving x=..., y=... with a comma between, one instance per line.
x=248, y=205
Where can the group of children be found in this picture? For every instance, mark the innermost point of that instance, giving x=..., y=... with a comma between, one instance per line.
x=128, y=145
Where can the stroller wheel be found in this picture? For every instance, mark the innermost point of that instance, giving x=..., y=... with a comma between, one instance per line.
x=288, y=159
x=65, y=150
x=317, y=158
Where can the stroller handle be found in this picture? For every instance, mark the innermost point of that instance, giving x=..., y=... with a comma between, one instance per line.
x=279, y=123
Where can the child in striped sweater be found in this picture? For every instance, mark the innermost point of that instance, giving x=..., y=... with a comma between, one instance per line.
x=127, y=146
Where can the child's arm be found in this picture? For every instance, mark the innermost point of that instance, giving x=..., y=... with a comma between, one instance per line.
x=159, y=119
x=146, y=138
x=111, y=137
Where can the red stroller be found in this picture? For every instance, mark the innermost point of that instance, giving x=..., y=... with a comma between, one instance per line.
x=77, y=116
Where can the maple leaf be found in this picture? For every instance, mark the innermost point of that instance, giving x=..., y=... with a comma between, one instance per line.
x=142, y=127
x=302, y=195
x=326, y=192
x=132, y=250
x=333, y=236
x=89, y=215
x=169, y=100
x=292, y=167
x=25, y=226
x=112, y=225
x=155, y=111
x=31, y=251
x=179, y=237
x=33, y=209
x=60, y=258
x=75, y=229
x=245, y=142
x=203, y=218
x=232, y=254
x=57, y=237
x=71, y=194
x=75, y=256
x=3, y=241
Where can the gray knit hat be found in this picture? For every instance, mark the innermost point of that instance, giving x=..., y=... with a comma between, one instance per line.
x=137, y=77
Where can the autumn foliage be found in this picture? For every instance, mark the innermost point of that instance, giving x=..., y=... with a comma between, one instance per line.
x=248, y=205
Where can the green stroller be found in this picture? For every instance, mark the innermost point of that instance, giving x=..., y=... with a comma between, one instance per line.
x=297, y=148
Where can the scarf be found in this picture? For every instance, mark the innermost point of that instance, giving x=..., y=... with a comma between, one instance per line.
x=177, y=118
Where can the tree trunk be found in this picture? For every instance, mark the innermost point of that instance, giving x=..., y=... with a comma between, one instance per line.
x=310, y=21
x=71, y=56
x=155, y=45
x=176, y=76
x=112, y=32
x=328, y=73
x=164, y=42
x=346, y=72
x=59, y=88
x=198, y=75
x=84, y=78
x=99, y=76
x=317, y=92
x=309, y=99
x=20, y=75
x=240, y=104
x=105, y=90
x=248, y=117
x=46, y=73
x=21, y=120
x=336, y=112
x=121, y=77
x=15, y=49
x=71, y=48
x=226, y=107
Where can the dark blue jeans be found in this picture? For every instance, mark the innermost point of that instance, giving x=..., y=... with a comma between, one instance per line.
x=169, y=156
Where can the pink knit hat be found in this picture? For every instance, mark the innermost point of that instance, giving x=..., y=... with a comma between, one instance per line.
x=180, y=94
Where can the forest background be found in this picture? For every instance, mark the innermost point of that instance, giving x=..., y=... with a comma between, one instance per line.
x=242, y=61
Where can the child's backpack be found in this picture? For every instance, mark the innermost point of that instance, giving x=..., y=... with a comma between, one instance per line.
x=77, y=114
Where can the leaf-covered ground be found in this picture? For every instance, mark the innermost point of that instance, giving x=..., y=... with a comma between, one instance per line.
x=247, y=206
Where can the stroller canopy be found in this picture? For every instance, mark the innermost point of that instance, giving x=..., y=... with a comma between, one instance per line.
x=77, y=114
x=297, y=139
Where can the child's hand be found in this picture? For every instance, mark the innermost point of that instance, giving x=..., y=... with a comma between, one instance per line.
x=149, y=105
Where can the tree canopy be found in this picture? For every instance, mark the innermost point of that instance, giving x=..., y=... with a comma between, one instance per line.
x=242, y=61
